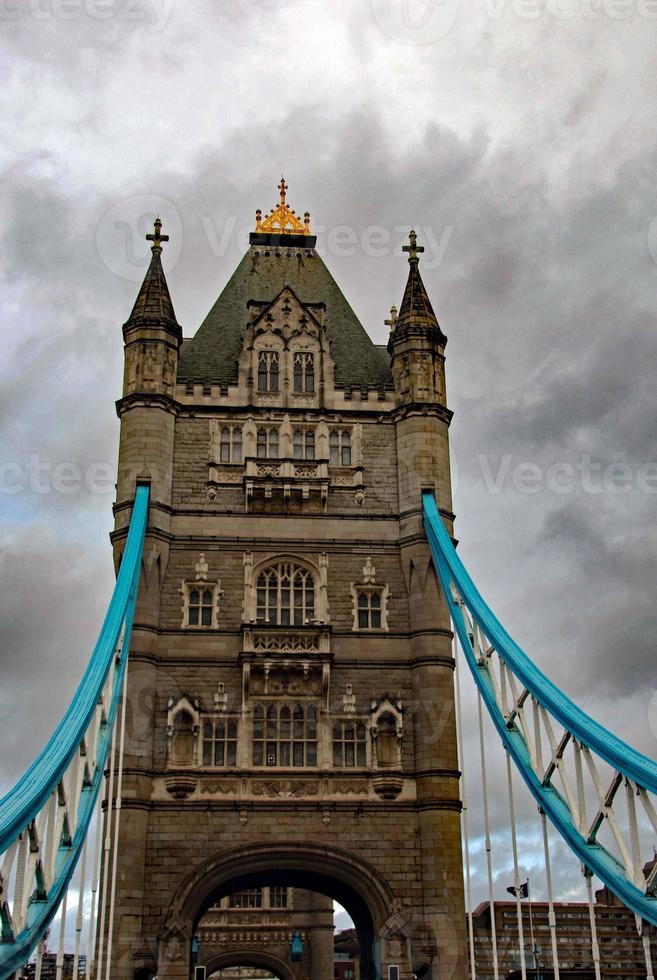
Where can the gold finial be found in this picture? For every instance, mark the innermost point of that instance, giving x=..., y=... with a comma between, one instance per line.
x=157, y=238
x=283, y=220
x=393, y=318
x=413, y=249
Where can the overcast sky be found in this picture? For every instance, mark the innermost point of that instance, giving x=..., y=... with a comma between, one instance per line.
x=517, y=136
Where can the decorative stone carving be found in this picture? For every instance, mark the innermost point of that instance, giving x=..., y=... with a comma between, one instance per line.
x=169, y=371
x=180, y=785
x=387, y=733
x=201, y=569
x=220, y=698
x=264, y=642
x=349, y=701
x=286, y=680
x=350, y=787
x=224, y=786
x=285, y=788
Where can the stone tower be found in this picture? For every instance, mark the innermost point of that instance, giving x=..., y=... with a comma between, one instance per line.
x=291, y=706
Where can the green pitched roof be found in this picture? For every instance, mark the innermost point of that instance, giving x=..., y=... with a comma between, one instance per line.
x=211, y=355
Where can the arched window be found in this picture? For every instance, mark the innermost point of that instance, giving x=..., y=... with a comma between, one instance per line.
x=267, y=442
x=285, y=595
x=304, y=372
x=183, y=739
x=304, y=444
x=268, y=370
x=369, y=610
x=230, y=444
x=200, y=606
x=285, y=735
x=349, y=741
x=219, y=742
x=340, y=447
x=387, y=742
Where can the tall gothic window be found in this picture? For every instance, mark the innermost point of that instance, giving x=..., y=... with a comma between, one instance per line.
x=369, y=610
x=268, y=370
x=285, y=734
x=219, y=742
x=200, y=606
x=340, y=447
x=304, y=372
x=267, y=442
x=304, y=444
x=349, y=741
x=285, y=595
x=278, y=897
x=230, y=444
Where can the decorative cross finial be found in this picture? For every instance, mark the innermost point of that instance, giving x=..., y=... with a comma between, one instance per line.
x=413, y=249
x=392, y=322
x=283, y=189
x=282, y=220
x=157, y=238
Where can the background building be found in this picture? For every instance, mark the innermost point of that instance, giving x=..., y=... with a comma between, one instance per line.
x=272, y=920
x=621, y=948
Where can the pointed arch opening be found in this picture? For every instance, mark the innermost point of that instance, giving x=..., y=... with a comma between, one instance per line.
x=337, y=874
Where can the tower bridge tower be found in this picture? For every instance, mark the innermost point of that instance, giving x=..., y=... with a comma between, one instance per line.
x=290, y=689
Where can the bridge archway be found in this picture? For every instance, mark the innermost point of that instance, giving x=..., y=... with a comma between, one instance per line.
x=348, y=879
x=246, y=957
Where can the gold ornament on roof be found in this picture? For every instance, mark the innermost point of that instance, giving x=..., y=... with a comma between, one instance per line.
x=283, y=220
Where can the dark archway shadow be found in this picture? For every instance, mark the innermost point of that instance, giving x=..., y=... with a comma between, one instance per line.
x=352, y=882
x=250, y=957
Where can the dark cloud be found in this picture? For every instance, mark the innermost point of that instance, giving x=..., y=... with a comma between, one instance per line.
x=525, y=156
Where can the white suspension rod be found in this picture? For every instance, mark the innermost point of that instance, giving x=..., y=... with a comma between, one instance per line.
x=39, y=960
x=91, y=941
x=80, y=912
x=645, y=938
x=107, y=841
x=551, y=916
x=60, y=945
x=464, y=814
x=516, y=869
x=489, y=856
x=117, y=821
x=595, y=948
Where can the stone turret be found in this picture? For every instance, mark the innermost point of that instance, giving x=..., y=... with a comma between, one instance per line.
x=152, y=338
x=417, y=346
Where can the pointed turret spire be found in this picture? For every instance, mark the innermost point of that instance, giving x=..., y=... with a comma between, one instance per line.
x=416, y=310
x=153, y=301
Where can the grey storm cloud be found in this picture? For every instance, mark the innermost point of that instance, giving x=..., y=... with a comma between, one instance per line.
x=524, y=154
